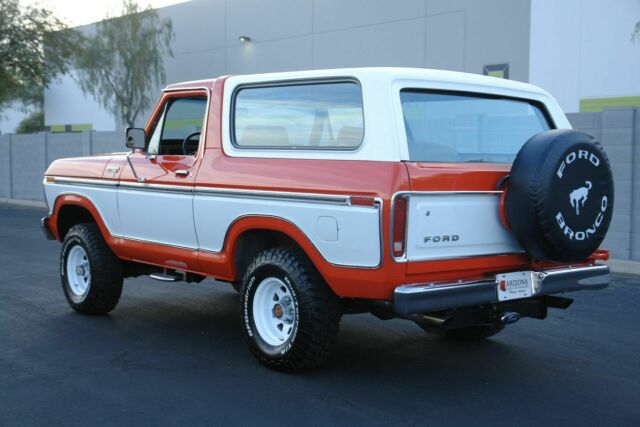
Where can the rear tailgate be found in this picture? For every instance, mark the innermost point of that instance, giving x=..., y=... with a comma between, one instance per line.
x=454, y=213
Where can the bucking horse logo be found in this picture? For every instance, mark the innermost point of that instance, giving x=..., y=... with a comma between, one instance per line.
x=579, y=196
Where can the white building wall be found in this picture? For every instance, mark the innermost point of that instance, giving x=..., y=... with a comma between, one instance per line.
x=65, y=103
x=289, y=35
x=582, y=49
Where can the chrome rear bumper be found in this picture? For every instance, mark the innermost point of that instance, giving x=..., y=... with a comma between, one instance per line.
x=426, y=298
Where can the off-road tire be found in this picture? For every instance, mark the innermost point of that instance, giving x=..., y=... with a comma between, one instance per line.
x=318, y=311
x=106, y=270
x=474, y=333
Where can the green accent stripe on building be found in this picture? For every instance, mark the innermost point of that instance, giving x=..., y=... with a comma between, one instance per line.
x=80, y=127
x=57, y=128
x=592, y=105
x=181, y=123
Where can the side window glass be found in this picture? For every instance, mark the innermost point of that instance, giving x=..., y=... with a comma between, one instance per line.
x=178, y=130
x=312, y=116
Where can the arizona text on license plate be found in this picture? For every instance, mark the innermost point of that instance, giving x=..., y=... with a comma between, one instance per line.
x=514, y=285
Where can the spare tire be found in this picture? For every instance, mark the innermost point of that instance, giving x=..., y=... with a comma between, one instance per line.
x=559, y=198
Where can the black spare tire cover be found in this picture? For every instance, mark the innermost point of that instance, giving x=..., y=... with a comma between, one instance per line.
x=559, y=199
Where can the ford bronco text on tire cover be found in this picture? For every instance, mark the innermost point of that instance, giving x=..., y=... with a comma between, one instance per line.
x=460, y=202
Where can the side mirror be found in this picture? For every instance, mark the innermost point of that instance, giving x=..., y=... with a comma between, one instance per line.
x=136, y=138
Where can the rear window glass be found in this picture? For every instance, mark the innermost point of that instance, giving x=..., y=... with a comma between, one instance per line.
x=456, y=127
x=300, y=116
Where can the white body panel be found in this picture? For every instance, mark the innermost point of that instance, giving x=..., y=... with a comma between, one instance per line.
x=157, y=216
x=456, y=225
x=344, y=235
x=104, y=198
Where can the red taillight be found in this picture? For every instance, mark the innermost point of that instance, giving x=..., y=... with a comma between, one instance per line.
x=399, y=234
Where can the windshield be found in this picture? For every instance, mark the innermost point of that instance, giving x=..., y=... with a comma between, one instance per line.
x=464, y=127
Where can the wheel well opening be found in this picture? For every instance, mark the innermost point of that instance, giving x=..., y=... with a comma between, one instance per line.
x=252, y=242
x=70, y=215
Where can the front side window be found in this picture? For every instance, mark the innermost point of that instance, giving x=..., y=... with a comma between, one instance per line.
x=462, y=127
x=299, y=116
x=177, y=131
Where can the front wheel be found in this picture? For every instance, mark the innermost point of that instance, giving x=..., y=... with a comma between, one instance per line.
x=289, y=315
x=91, y=274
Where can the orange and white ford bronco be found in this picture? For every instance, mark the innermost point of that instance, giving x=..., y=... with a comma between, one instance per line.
x=460, y=202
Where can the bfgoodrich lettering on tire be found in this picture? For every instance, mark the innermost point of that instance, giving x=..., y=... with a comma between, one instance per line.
x=289, y=315
x=91, y=274
x=559, y=200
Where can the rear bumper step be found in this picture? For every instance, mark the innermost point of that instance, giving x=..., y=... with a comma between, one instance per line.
x=427, y=298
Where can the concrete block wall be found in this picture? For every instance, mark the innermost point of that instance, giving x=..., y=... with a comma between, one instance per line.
x=106, y=142
x=618, y=129
x=5, y=166
x=635, y=205
x=24, y=158
x=28, y=162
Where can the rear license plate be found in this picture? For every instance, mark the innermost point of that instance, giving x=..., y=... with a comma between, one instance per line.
x=514, y=285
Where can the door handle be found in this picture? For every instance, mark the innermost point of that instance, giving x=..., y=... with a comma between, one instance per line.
x=182, y=172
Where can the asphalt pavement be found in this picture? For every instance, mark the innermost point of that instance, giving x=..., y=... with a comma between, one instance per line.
x=173, y=354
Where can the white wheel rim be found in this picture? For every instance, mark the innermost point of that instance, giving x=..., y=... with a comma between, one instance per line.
x=274, y=311
x=78, y=271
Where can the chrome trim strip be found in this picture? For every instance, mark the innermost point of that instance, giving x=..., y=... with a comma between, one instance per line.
x=164, y=188
x=445, y=258
x=92, y=182
x=184, y=89
x=266, y=194
x=342, y=200
x=449, y=192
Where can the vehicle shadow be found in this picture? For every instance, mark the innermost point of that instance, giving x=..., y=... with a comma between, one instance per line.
x=188, y=342
x=161, y=327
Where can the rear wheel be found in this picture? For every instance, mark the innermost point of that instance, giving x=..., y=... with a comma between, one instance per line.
x=289, y=315
x=91, y=274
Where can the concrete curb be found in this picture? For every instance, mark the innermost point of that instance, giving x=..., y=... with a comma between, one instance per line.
x=624, y=266
x=23, y=203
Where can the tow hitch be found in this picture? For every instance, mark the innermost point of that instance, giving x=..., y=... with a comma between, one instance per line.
x=509, y=317
x=505, y=313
